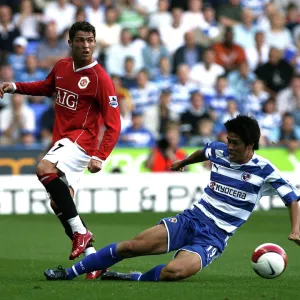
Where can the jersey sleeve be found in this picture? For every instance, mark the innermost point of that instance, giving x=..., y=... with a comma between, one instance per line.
x=110, y=112
x=38, y=88
x=209, y=149
x=285, y=190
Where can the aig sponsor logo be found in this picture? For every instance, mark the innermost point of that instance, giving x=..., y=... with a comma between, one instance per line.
x=66, y=98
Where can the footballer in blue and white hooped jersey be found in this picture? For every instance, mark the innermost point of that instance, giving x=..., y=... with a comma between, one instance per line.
x=234, y=189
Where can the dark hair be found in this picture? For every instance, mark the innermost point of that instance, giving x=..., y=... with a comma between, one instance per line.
x=81, y=26
x=246, y=128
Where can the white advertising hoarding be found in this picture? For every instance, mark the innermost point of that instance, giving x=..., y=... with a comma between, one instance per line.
x=106, y=193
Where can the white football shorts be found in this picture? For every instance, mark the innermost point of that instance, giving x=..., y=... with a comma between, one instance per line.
x=71, y=160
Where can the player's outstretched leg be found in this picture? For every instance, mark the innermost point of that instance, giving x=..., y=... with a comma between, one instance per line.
x=152, y=241
x=183, y=266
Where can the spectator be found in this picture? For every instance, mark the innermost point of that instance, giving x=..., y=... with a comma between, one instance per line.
x=6, y=75
x=292, y=55
x=145, y=94
x=146, y=7
x=240, y=82
x=17, y=122
x=269, y=121
x=137, y=135
x=182, y=90
x=244, y=32
x=254, y=101
x=157, y=117
x=276, y=73
x=17, y=58
x=195, y=112
x=80, y=16
x=296, y=115
x=231, y=112
x=129, y=16
x=289, y=98
x=129, y=77
x=164, y=79
x=122, y=93
x=46, y=126
x=61, y=13
x=117, y=53
x=278, y=36
x=8, y=31
x=153, y=52
x=162, y=17
x=31, y=72
x=259, y=54
x=211, y=31
x=217, y=99
x=292, y=17
x=27, y=21
x=108, y=31
x=51, y=49
x=282, y=4
x=228, y=54
x=95, y=12
x=125, y=114
x=193, y=17
x=205, y=74
x=257, y=7
x=288, y=136
x=38, y=104
x=230, y=13
x=204, y=134
x=190, y=53
x=173, y=35
x=166, y=151
x=140, y=40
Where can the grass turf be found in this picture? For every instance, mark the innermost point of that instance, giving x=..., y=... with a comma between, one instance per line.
x=32, y=243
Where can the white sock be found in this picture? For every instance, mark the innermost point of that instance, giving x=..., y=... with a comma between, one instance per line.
x=89, y=250
x=77, y=225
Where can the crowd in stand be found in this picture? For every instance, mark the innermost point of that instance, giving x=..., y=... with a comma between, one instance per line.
x=186, y=66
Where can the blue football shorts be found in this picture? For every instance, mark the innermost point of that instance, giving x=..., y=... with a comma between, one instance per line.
x=194, y=232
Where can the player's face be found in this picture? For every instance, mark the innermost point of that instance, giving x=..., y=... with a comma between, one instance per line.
x=238, y=151
x=83, y=46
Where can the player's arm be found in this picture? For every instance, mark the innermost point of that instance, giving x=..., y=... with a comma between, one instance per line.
x=110, y=112
x=290, y=195
x=196, y=157
x=295, y=222
x=37, y=88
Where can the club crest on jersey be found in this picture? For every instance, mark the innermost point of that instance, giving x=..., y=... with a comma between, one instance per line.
x=246, y=176
x=212, y=185
x=113, y=101
x=83, y=82
x=173, y=220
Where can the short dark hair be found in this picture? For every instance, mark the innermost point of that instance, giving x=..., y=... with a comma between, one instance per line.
x=81, y=26
x=246, y=128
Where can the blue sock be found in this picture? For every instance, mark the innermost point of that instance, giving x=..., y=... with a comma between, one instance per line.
x=151, y=275
x=102, y=259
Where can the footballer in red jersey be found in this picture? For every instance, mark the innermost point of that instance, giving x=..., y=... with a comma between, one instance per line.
x=84, y=97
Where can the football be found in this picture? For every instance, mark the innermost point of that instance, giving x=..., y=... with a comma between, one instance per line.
x=269, y=260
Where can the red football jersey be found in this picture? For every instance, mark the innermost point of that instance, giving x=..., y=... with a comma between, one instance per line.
x=83, y=98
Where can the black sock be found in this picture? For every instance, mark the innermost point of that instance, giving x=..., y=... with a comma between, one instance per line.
x=62, y=198
x=67, y=227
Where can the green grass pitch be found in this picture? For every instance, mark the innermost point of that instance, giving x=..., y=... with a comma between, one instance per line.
x=30, y=244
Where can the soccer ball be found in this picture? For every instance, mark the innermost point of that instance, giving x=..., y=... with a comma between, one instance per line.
x=269, y=260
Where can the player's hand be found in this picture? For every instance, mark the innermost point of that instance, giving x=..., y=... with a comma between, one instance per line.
x=5, y=87
x=295, y=237
x=94, y=166
x=177, y=165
